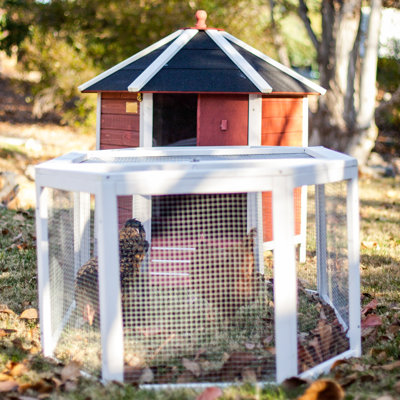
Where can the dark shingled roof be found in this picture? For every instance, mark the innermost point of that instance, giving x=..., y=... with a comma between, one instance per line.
x=201, y=65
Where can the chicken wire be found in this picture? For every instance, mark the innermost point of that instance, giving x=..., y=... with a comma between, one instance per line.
x=197, y=301
x=323, y=303
x=71, y=244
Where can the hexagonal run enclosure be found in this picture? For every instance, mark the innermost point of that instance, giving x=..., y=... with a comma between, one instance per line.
x=153, y=268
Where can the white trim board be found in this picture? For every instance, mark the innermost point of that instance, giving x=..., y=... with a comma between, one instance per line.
x=161, y=60
x=261, y=84
x=130, y=60
x=274, y=63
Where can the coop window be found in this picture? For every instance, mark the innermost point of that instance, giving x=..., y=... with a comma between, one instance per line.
x=174, y=119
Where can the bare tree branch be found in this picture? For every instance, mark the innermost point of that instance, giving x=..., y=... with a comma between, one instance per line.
x=278, y=39
x=303, y=13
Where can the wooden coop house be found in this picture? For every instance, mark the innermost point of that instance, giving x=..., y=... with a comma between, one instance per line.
x=202, y=86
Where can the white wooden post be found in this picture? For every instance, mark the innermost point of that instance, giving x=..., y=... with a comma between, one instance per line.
x=112, y=340
x=353, y=229
x=285, y=282
x=81, y=228
x=303, y=212
x=320, y=221
x=146, y=121
x=255, y=120
x=98, y=121
x=44, y=270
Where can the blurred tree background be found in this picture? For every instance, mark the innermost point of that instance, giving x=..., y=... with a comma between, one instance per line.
x=67, y=42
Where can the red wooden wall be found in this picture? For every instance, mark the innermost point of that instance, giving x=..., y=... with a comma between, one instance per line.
x=119, y=128
x=282, y=125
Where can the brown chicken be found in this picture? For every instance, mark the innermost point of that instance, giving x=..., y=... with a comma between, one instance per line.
x=226, y=276
x=133, y=247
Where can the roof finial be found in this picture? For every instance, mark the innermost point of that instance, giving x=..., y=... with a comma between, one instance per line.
x=201, y=17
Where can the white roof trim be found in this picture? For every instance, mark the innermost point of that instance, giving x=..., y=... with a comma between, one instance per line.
x=274, y=63
x=240, y=61
x=130, y=60
x=161, y=60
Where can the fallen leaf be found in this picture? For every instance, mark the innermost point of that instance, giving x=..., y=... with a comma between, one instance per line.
x=4, y=377
x=30, y=313
x=249, y=346
x=6, y=332
x=235, y=364
x=337, y=363
x=5, y=231
x=325, y=334
x=7, y=386
x=192, y=366
x=249, y=375
x=185, y=377
x=4, y=309
x=370, y=306
x=396, y=387
x=211, y=393
x=147, y=376
x=314, y=343
x=371, y=320
x=18, y=370
x=293, y=383
x=71, y=371
x=389, y=367
x=369, y=244
x=323, y=389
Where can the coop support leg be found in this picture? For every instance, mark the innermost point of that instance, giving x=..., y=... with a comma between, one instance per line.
x=320, y=220
x=303, y=225
x=254, y=220
x=109, y=285
x=285, y=285
x=81, y=229
x=43, y=270
x=353, y=229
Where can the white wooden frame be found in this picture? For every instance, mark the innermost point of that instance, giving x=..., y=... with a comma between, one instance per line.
x=107, y=180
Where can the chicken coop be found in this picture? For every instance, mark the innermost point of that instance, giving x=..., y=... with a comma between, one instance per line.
x=202, y=86
x=183, y=292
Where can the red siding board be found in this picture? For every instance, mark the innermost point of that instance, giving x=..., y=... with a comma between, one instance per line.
x=282, y=108
x=119, y=137
x=123, y=122
x=116, y=106
x=282, y=124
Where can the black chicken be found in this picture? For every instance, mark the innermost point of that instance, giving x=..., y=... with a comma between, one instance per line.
x=133, y=247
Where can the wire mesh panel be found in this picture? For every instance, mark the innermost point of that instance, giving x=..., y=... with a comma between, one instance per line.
x=323, y=278
x=73, y=279
x=198, y=311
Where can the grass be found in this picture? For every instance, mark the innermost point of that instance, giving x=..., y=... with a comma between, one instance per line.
x=369, y=377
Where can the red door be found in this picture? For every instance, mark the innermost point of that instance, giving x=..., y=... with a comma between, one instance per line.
x=222, y=120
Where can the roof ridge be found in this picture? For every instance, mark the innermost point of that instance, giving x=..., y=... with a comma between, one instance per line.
x=274, y=63
x=262, y=85
x=162, y=59
x=133, y=58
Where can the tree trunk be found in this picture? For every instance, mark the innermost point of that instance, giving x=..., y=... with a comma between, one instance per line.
x=344, y=120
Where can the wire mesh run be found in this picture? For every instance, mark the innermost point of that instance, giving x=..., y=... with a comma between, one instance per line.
x=197, y=302
x=198, y=286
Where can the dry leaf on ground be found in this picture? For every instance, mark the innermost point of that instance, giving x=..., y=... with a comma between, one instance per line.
x=323, y=389
x=371, y=320
x=30, y=313
x=7, y=386
x=71, y=371
x=192, y=366
x=211, y=393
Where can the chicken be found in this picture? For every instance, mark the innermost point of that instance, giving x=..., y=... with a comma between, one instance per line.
x=226, y=277
x=133, y=247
